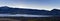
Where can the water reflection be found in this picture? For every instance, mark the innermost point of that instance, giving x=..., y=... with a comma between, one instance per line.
x=23, y=15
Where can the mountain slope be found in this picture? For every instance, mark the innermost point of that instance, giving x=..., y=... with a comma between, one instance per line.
x=8, y=10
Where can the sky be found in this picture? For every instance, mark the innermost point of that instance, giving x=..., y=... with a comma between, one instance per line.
x=32, y=4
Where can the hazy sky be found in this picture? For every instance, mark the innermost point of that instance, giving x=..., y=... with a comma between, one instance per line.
x=34, y=4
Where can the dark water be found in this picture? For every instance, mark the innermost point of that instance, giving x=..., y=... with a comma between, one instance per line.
x=31, y=17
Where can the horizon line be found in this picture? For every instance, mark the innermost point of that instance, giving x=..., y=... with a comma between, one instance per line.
x=33, y=8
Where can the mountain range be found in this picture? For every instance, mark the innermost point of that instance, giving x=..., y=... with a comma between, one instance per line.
x=9, y=10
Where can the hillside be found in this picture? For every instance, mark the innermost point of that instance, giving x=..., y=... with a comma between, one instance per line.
x=8, y=10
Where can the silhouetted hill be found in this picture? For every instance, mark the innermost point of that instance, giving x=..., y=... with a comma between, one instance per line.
x=55, y=11
x=9, y=10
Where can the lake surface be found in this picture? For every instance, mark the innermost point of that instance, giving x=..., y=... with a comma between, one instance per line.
x=23, y=15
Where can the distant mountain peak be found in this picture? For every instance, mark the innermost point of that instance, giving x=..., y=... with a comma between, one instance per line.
x=6, y=9
x=55, y=10
x=4, y=6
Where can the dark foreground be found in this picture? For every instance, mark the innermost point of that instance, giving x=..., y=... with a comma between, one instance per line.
x=30, y=18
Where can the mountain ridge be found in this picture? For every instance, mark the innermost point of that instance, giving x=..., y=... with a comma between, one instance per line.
x=8, y=10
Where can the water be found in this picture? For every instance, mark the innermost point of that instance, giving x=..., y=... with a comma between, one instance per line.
x=23, y=15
